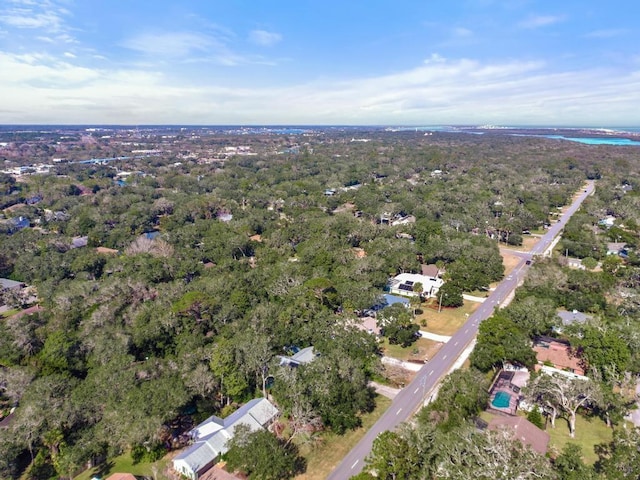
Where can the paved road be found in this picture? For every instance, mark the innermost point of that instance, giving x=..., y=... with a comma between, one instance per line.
x=412, y=396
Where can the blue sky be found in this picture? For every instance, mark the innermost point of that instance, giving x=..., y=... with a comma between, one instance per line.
x=375, y=62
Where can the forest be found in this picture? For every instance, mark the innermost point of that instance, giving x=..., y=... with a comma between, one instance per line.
x=196, y=276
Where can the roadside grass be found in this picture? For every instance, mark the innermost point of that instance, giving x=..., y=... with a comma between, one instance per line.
x=421, y=349
x=590, y=431
x=124, y=464
x=528, y=243
x=9, y=313
x=332, y=448
x=449, y=320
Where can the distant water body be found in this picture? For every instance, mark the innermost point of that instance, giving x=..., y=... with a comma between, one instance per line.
x=596, y=141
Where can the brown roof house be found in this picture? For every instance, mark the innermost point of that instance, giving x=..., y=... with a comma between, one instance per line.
x=522, y=430
x=557, y=356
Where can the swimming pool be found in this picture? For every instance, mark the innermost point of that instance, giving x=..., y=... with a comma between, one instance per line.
x=501, y=400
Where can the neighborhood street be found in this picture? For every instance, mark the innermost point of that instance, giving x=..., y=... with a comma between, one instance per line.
x=410, y=398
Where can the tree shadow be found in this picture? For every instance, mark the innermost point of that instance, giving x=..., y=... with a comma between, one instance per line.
x=103, y=469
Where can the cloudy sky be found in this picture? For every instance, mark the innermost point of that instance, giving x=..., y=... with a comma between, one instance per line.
x=382, y=62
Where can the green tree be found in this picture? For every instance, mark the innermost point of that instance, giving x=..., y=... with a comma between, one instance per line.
x=562, y=394
x=535, y=417
x=393, y=457
x=604, y=349
x=534, y=315
x=620, y=458
x=491, y=455
x=261, y=455
x=570, y=465
x=462, y=395
x=501, y=340
x=397, y=325
x=450, y=295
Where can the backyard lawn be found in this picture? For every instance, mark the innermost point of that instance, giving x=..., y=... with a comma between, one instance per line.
x=124, y=464
x=322, y=459
x=447, y=321
x=589, y=433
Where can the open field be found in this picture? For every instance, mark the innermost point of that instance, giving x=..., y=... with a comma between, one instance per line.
x=528, y=242
x=322, y=459
x=422, y=349
x=449, y=320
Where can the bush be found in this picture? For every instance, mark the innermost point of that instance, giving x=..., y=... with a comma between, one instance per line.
x=535, y=417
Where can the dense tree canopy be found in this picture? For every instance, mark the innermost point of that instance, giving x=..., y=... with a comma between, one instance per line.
x=212, y=266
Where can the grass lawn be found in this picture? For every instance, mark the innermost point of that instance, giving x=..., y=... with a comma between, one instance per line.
x=528, y=242
x=322, y=459
x=421, y=349
x=124, y=464
x=9, y=313
x=449, y=320
x=589, y=432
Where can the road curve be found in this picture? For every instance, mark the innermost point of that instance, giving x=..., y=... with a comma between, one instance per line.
x=413, y=395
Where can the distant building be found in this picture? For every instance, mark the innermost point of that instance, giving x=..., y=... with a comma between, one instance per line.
x=607, y=222
x=6, y=285
x=403, y=220
x=301, y=357
x=615, y=248
x=224, y=216
x=79, y=242
x=388, y=300
x=404, y=284
x=574, y=316
x=18, y=223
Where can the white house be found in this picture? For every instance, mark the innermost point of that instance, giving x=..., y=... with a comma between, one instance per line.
x=211, y=436
x=403, y=284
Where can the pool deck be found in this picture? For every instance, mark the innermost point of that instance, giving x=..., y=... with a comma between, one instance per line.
x=510, y=383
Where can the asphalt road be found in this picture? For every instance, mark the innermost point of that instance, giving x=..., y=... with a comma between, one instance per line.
x=413, y=395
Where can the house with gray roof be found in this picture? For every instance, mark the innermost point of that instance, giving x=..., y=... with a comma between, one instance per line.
x=301, y=357
x=573, y=316
x=7, y=284
x=211, y=437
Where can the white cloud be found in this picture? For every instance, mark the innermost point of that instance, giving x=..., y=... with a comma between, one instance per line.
x=30, y=14
x=43, y=89
x=172, y=44
x=606, y=33
x=69, y=55
x=462, y=32
x=435, y=58
x=264, y=38
x=538, y=21
x=191, y=47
